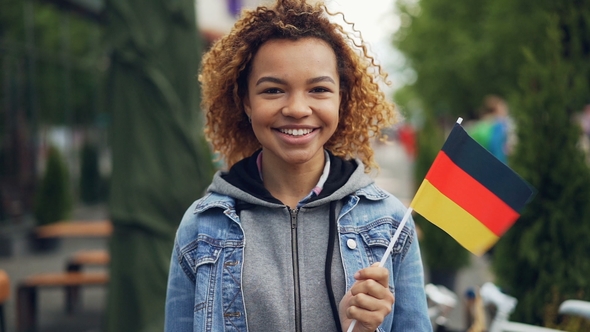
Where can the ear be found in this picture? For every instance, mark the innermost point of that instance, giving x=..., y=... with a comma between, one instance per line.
x=247, y=107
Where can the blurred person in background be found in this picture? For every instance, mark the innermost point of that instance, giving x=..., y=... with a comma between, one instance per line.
x=494, y=129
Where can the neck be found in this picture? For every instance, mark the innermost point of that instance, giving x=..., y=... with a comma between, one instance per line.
x=291, y=183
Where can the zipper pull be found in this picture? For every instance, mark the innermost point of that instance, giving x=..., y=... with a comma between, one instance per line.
x=293, y=213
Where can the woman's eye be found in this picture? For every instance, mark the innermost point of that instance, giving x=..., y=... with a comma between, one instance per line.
x=320, y=89
x=272, y=91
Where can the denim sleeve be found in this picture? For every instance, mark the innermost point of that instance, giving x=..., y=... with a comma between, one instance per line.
x=410, y=309
x=179, y=298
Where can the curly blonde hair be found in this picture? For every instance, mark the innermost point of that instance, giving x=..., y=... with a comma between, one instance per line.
x=364, y=110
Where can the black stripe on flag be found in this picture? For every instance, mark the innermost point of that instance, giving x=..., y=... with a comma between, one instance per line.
x=478, y=162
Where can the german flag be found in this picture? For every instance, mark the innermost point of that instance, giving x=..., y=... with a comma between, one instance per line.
x=470, y=194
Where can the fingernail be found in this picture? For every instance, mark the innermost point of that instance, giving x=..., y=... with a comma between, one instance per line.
x=357, y=275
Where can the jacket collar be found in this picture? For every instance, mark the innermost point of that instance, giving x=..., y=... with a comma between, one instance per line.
x=244, y=176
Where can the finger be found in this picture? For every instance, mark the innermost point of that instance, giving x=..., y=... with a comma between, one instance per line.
x=366, y=320
x=370, y=303
x=379, y=274
x=372, y=288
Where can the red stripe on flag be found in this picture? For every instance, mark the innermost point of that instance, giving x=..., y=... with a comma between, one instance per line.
x=471, y=195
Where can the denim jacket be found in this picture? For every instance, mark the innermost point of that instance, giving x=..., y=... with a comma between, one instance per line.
x=204, y=286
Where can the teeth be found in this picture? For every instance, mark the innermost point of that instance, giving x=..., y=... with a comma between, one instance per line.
x=296, y=132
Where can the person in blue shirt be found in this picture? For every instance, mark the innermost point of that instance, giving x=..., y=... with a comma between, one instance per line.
x=494, y=130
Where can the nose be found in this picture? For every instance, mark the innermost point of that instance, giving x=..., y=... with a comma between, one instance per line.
x=297, y=106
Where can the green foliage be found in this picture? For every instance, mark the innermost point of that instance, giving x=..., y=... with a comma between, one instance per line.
x=444, y=45
x=11, y=19
x=68, y=75
x=535, y=53
x=66, y=57
x=542, y=259
x=53, y=201
x=90, y=179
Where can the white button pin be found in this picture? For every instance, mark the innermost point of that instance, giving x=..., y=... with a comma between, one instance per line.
x=351, y=244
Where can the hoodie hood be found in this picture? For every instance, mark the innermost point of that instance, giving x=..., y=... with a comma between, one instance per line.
x=243, y=183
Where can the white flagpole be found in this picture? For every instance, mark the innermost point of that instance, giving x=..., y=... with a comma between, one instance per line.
x=394, y=238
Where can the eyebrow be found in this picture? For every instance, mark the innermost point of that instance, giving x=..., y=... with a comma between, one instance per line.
x=270, y=79
x=320, y=79
x=283, y=82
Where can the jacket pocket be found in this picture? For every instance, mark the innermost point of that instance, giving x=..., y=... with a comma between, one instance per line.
x=216, y=267
x=378, y=234
x=201, y=257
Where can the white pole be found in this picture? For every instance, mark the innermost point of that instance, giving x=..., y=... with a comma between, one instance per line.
x=394, y=238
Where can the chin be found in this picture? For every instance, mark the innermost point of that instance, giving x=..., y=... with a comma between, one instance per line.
x=299, y=158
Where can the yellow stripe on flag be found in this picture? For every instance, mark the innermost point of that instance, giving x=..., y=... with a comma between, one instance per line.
x=450, y=217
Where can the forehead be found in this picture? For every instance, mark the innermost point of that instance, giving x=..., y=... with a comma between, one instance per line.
x=285, y=54
x=304, y=42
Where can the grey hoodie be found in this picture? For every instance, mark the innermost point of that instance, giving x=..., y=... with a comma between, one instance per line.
x=285, y=250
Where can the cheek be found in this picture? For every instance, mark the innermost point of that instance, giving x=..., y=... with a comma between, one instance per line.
x=333, y=122
x=256, y=129
x=336, y=113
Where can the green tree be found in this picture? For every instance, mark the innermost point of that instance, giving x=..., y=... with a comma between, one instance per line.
x=68, y=72
x=90, y=178
x=534, y=53
x=67, y=56
x=53, y=201
x=541, y=258
x=443, y=43
x=52, y=66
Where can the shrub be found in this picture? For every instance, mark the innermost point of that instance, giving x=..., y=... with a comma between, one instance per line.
x=53, y=200
x=90, y=180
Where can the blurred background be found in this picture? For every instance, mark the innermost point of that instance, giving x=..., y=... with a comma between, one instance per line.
x=100, y=120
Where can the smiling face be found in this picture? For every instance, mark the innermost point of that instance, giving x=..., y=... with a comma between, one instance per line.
x=293, y=100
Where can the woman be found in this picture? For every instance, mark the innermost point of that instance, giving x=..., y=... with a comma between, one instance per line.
x=289, y=237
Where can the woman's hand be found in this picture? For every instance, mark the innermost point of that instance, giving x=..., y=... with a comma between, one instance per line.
x=368, y=301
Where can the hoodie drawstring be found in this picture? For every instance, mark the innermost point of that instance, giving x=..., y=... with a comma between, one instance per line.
x=328, y=269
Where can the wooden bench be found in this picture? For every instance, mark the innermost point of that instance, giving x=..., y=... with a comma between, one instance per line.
x=4, y=295
x=26, y=301
x=75, y=264
x=87, y=257
x=73, y=228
